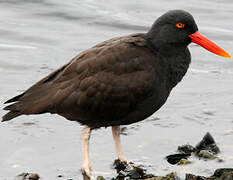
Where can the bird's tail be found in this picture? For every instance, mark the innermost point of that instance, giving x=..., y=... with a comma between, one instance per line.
x=10, y=115
x=36, y=100
x=13, y=108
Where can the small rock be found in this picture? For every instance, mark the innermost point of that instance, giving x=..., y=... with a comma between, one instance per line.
x=171, y=176
x=122, y=174
x=28, y=176
x=206, y=154
x=219, y=174
x=222, y=171
x=175, y=158
x=184, y=162
x=220, y=160
x=193, y=177
x=187, y=149
x=119, y=165
x=208, y=143
x=134, y=174
x=129, y=171
x=100, y=178
x=33, y=177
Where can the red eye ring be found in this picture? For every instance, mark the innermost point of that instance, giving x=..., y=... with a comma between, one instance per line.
x=180, y=25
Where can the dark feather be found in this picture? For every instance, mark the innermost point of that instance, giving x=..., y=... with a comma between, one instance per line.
x=10, y=115
x=16, y=98
x=119, y=81
x=10, y=107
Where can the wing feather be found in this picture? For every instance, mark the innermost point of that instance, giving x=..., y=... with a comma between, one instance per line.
x=109, y=79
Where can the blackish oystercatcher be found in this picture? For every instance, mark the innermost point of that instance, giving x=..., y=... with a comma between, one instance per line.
x=117, y=82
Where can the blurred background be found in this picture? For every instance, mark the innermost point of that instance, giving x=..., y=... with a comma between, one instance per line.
x=38, y=36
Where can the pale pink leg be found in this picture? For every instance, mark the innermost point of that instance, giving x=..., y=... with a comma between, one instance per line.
x=117, y=140
x=86, y=166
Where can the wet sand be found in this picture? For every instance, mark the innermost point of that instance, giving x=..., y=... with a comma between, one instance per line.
x=38, y=37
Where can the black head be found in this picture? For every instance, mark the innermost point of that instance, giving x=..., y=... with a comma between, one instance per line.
x=172, y=28
x=176, y=29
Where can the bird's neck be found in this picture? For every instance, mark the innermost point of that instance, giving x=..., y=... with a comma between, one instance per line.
x=178, y=64
x=177, y=59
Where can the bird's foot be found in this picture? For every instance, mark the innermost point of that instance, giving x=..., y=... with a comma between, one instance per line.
x=122, y=158
x=87, y=173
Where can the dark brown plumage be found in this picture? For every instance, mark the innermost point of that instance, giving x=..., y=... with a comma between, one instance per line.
x=101, y=86
x=117, y=82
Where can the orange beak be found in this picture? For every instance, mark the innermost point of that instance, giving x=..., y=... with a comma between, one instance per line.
x=198, y=38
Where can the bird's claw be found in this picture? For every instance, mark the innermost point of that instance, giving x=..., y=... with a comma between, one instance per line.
x=87, y=174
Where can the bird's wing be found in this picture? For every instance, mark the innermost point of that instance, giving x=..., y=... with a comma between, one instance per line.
x=110, y=78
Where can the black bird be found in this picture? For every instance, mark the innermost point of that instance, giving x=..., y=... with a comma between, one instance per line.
x=117, y=82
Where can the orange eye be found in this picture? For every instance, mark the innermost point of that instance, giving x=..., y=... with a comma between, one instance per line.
x=180, y=25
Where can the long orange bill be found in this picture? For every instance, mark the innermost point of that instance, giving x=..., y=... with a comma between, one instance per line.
x=198, y=38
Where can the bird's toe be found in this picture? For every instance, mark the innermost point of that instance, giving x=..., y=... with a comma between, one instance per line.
x=87, y=173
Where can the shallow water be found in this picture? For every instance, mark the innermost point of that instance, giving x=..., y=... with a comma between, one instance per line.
x=38, y=36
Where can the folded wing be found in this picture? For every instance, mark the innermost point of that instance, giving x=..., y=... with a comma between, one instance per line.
x=108, y=80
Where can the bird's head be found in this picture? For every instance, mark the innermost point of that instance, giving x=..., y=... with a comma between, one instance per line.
x=178, y=28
